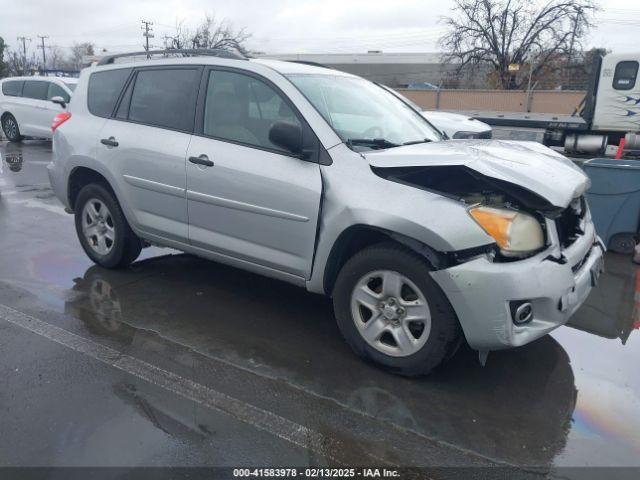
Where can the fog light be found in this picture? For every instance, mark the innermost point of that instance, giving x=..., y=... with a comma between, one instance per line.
x=521, y=312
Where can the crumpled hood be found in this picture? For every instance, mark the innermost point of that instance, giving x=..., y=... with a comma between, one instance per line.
x=527, y=164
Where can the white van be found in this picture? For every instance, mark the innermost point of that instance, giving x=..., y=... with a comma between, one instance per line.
x=28, y=104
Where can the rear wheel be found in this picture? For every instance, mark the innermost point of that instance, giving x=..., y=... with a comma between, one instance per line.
x=102, y=228
x=10, y=128
x=392, y=312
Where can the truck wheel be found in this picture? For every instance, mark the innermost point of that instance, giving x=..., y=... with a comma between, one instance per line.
x=102, y=228
x=392, y=312
x=11, y=129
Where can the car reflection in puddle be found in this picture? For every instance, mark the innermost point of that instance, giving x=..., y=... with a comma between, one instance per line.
x=517, y=409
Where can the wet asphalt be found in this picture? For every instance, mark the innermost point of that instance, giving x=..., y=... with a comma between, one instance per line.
x=235, y=366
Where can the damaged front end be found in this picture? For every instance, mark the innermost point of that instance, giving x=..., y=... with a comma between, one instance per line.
x=497, y=206
x=546, y=257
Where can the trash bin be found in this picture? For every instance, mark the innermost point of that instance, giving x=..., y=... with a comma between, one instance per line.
x=614, y=200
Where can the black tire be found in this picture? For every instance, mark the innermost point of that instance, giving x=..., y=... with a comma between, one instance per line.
x=445, y=335
x=11, y=129
x=126, y=245
x=624, y=243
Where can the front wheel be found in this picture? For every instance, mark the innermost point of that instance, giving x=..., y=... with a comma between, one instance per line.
x=102, y=228
x=11, y=129
x=392, y=312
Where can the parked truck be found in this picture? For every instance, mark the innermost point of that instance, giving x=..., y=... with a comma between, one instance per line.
x=609, y=113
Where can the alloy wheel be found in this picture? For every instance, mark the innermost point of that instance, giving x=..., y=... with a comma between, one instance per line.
x=10, y=128
x=98, y=227
x=391, y=313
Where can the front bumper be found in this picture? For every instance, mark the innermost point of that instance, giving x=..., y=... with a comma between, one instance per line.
x=480, y=291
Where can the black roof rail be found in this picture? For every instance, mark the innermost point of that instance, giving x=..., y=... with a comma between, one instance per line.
x=210, y=52
x=308, y=62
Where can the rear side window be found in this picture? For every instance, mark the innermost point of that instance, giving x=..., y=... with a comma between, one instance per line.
x=165, y=98
x=104, y=90
x=57, y=91
x=35, y=89
x=12, y=88
x=625, y=75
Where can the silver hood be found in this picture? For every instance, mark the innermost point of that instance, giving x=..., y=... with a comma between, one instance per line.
x=527, y=164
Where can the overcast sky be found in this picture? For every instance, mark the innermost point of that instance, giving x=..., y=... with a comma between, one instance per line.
x=277, y=26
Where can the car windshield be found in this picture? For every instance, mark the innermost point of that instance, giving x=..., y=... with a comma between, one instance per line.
x=364, y=115
x=70, y=86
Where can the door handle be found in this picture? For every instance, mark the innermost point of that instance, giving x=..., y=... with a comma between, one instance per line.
x=109, y=142
x=201, y=160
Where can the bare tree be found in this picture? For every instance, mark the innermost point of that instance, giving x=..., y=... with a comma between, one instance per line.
x=79, y=50
x=210, y=34
x=500, y=33
x=57, y=60
x=15, y=63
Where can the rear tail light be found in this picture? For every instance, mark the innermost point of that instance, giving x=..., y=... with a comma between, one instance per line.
x=59, y=119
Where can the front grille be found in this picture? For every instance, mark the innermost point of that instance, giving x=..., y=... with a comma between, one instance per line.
x=485, y=135
x=568, y=223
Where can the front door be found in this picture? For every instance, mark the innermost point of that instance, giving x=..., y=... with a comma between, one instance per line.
x=246, y=197
x=35, y=119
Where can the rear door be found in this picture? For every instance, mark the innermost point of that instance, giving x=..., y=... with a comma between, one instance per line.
x=11, y=98
x=145, y=145
x=250, y=199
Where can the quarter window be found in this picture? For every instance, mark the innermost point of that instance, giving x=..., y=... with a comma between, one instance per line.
x=12, y=88
x=165, y=98
x=57, y=91
x=242, y=109
x=35, y=89
x=625, y=75
x=104, y=90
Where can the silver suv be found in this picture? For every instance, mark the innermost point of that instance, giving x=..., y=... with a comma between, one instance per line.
x=330, y=182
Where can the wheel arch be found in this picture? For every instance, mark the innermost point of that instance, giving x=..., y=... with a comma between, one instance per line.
x=81, y=176
x=357, y=237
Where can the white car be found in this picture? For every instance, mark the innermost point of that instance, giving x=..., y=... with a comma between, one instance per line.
x=454, y=125
x=29, y=104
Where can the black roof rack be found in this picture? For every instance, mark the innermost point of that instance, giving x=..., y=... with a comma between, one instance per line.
x=308, y=62
x=209, y=52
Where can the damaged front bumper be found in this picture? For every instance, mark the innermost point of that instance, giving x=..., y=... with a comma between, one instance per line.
x=556, y=282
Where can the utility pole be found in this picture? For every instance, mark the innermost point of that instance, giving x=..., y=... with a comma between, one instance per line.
x=24, y=52
x=573, y=33
x=44, y=55
x=146, y=27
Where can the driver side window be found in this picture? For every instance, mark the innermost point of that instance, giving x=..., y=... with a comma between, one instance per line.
x=242, y=109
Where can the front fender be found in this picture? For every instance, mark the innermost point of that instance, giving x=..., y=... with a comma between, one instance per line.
x=354, y=195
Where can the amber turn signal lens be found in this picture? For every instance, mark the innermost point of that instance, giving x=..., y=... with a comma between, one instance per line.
x=516, y=233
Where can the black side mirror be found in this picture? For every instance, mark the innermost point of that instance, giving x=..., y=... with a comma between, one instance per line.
x=287, y=136
x=59, y=100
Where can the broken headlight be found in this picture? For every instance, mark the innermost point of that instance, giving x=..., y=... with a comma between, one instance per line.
x=517, y=234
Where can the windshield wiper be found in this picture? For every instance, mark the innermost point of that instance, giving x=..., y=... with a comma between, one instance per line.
x=414, y=142
x=371, y=142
